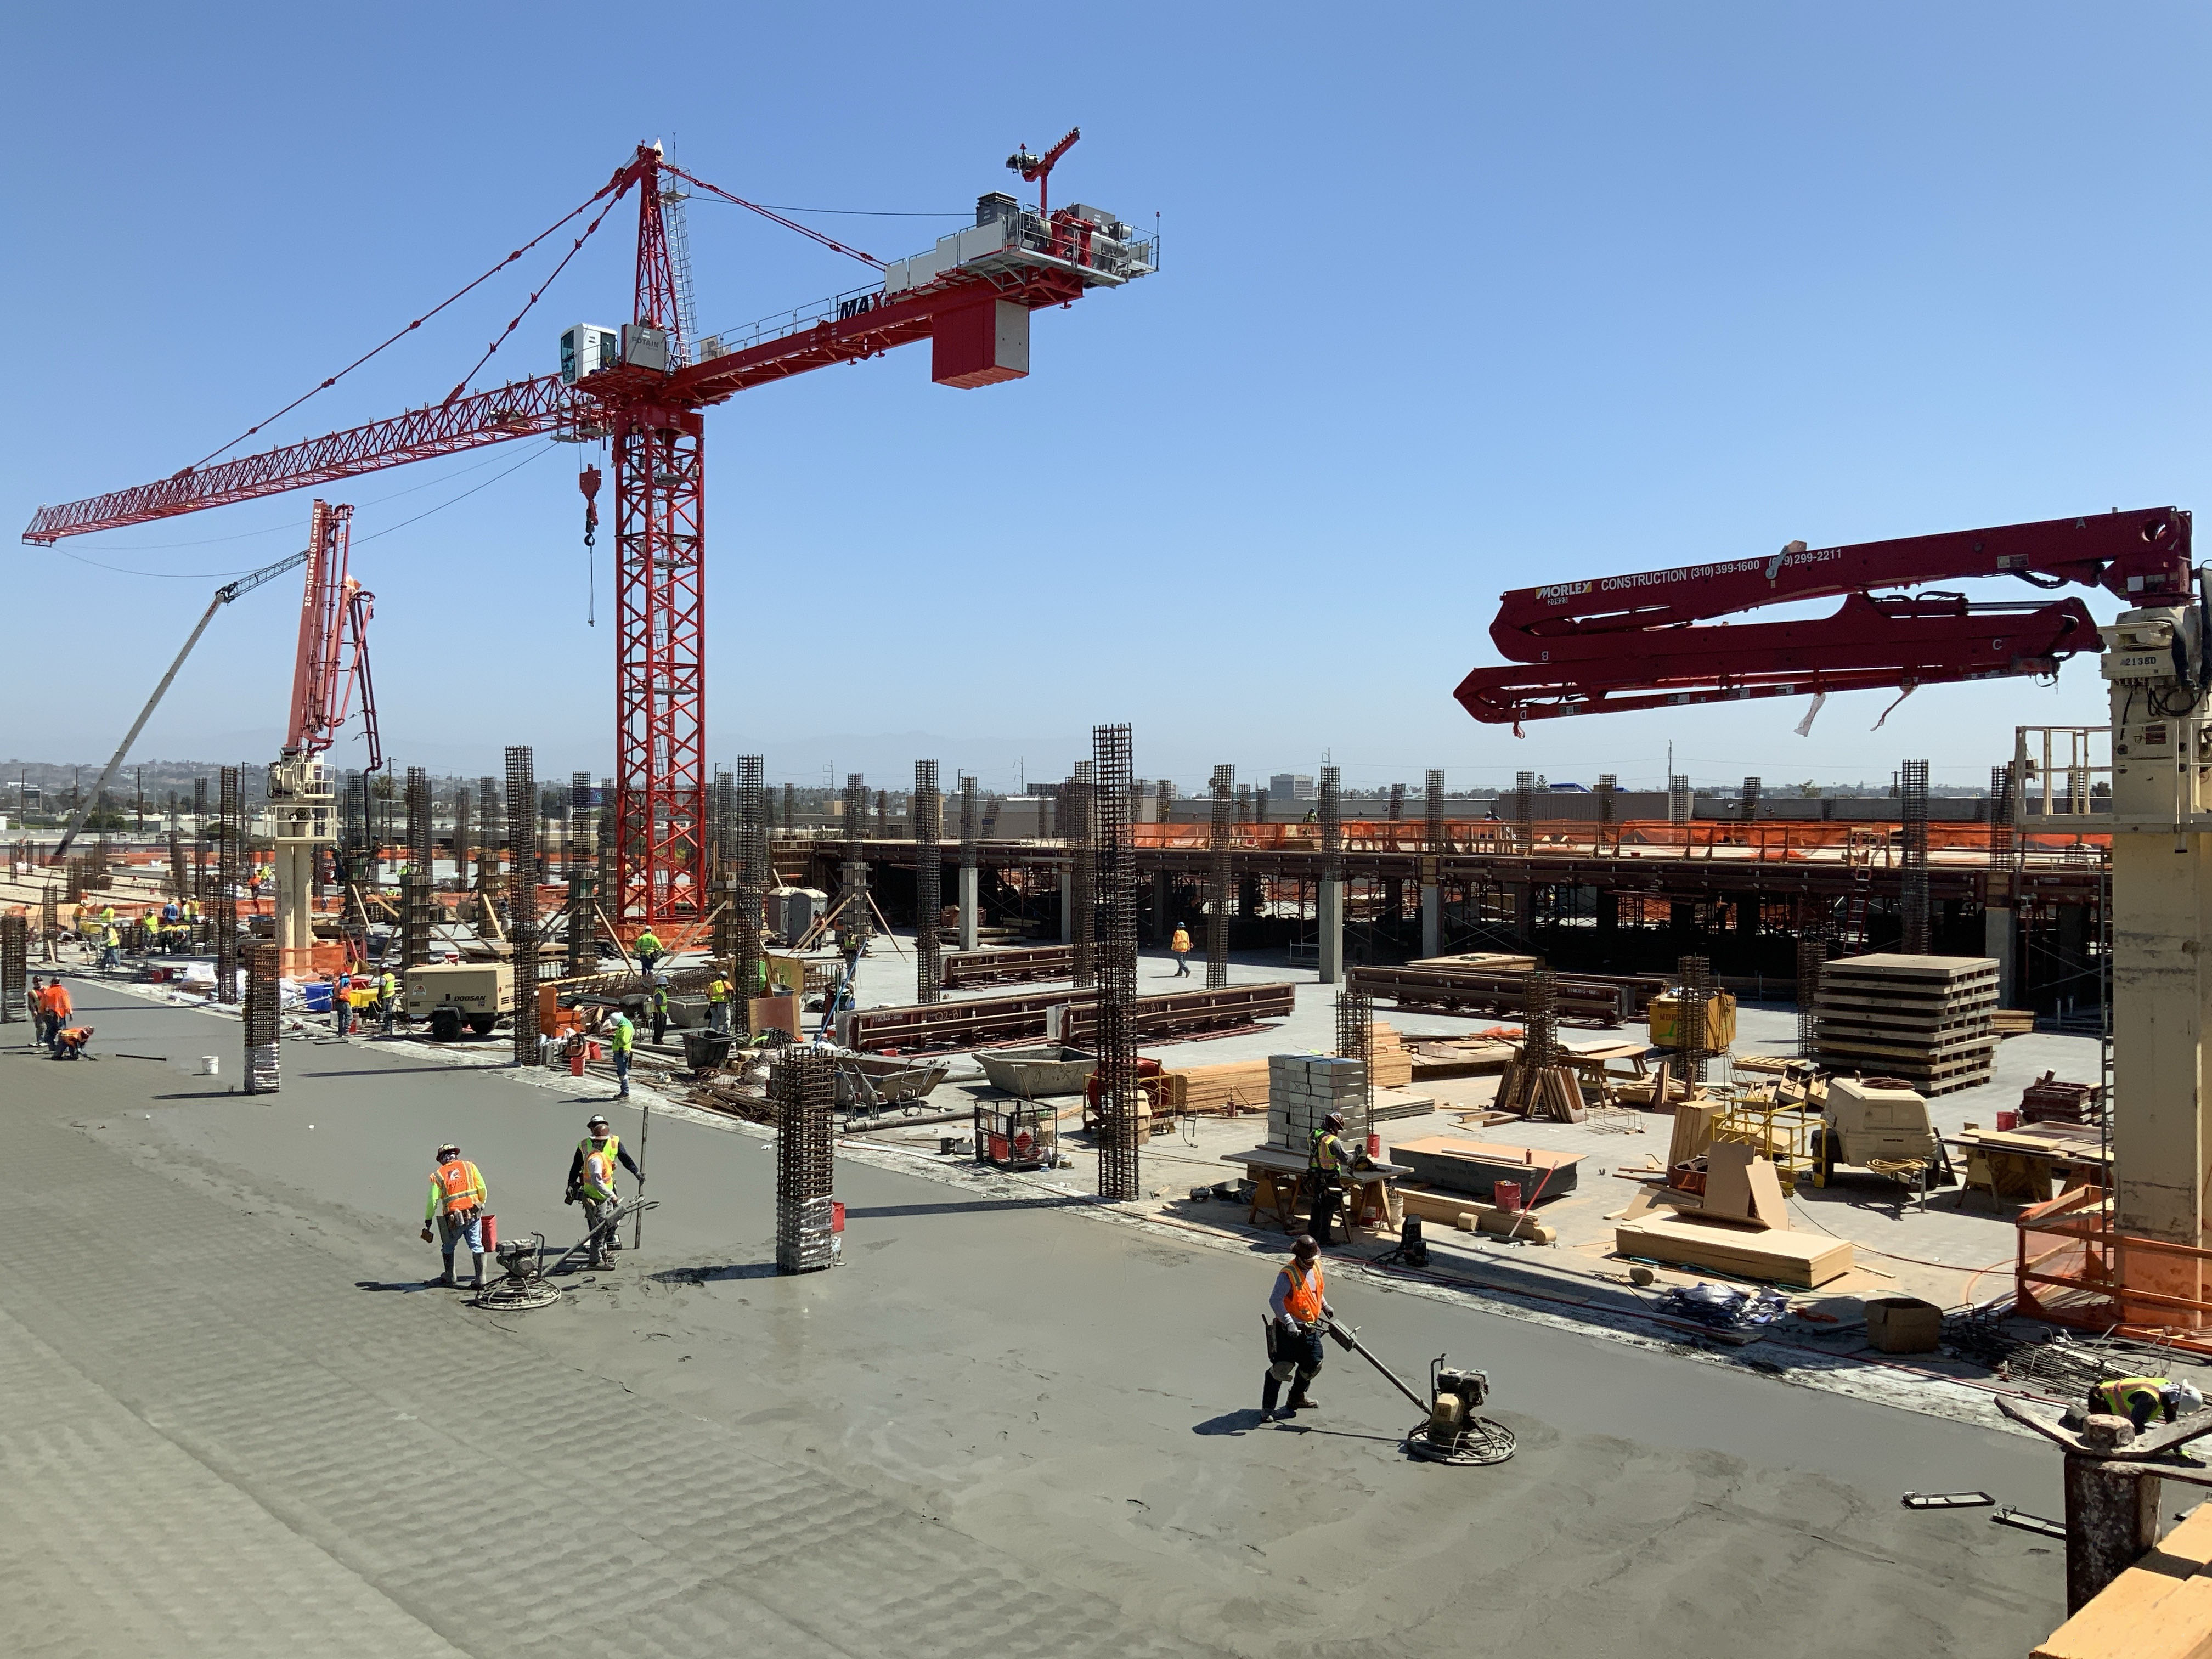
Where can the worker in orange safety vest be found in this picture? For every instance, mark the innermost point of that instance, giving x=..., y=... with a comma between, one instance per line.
x=1298, y=1313
x=457, y=1195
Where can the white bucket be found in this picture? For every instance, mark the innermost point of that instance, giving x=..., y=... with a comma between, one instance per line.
x=210, y=1065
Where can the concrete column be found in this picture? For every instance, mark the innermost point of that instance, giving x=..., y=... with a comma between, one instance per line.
x=1524, y=910
x=1162, y=929
x=1997, y=941
x=967, y=884
x=1432, y=921
x=1332, y=932
x=1067, y=904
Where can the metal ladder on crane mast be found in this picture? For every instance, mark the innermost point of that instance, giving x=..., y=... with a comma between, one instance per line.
x=1858, y=858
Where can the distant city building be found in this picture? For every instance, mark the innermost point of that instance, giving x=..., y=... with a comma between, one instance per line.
x=1289, y=786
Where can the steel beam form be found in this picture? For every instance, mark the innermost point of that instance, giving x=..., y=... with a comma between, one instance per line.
x=522, y=901
x=929, y=820
x=1218, y=875
x=1020, y=965
x=1112, y=836
x=982, y=1021
x=1589, y=999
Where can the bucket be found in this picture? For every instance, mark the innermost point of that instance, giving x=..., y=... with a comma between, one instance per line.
x=836, y=1215
x=1506, y=1195
x=209, y=1066
x=576, y=1062
x=2006, y=1122
x=318, y=995
x=1374, y=1144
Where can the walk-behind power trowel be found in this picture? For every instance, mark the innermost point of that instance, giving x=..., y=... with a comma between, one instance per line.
x=1452, y=1432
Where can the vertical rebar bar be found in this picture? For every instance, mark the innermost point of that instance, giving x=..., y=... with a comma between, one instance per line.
x=1218, y=873
x=1115, y=875
x=522, y=900
x=264, y=963
x=14, y=966
x=1079, y=812
x=801, y=1084
x=230, y=851
x=583, y=872
x=1913, y=793
x=1693, y=1018
x=929, y=820
x=752, y=877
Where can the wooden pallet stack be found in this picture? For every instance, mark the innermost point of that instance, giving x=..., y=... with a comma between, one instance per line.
x=1922, y=1019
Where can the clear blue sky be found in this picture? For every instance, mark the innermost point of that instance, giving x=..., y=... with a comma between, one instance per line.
x=1454, y=299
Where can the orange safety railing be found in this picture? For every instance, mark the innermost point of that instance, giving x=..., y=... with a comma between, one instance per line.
x=2074, y=1270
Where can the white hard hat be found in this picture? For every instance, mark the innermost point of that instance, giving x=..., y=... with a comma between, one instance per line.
x=2192, y=1398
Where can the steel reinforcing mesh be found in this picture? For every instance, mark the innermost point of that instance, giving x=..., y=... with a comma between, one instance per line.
x=801, y=1086
x=1115, y=877
x=522, y=899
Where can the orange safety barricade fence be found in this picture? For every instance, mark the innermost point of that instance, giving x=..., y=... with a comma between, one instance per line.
x=2074, y=1270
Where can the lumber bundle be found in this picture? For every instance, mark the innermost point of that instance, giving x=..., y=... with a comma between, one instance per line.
x=1922, y=1019
x=1387, y=1054
x=1736, y=1247
x=1470, y=1215
x=1241, y=1086
x=1549, y=1093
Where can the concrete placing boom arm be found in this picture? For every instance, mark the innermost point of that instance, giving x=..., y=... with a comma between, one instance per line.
x=223, y=595
x=1634, y=641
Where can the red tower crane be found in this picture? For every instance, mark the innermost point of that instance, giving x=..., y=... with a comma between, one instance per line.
x=643, y=389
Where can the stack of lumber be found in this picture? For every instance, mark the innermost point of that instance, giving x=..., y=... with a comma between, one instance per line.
x=1241, y=1086
x=1741, y=1226
x=2012, y=1022
x=1548, y=1092
x=1440, y=1057
x=1924, y=1019
x=1387, y=1053
x=2047, y=1100
x=2159, y=1608
x=1304, y=1089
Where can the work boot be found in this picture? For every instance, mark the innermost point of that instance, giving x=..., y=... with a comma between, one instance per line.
x=1271, y=1389
x=444, y=1277
x=1300, y=1401
x=479, y=1260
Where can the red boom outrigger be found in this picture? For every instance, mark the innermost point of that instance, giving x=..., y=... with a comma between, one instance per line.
x=1634, y=641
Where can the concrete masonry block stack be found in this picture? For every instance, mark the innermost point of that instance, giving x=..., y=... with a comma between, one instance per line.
x=1304, y=1089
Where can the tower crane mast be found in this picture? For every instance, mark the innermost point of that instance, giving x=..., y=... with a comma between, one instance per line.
x=972, y=296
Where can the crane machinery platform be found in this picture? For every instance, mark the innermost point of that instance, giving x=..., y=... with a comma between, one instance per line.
x=642, y=387
x=2136, y=1258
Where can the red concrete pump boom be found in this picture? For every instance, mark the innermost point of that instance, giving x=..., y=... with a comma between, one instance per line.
x=333, y=654
x=1636, y=641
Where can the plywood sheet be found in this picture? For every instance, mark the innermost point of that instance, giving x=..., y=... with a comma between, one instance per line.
x=1779, y=1254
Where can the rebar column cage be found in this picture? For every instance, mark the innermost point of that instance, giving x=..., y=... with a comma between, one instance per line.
x=264, y=965
x=1913, y=800
x=801, y=1086
x=223, y=912
x=1524, y=808
x=414, y=889
x=1115, y=875
x=1397, y=808
x=180, y=886
x=491, y=831
x=1078, y=826
x=928, y=819
x=750, y=880
x=14, y=966
x=969, y=851
x=1608, y=786
x=1681, y=801
x=50, y=920
x=1692, y=1020
x=1355, y=1040
x=1540, y=1022
x=722, y=866
x=522, y=900
x=853, y=904
x=1331, y=816
x=1749, y=806
x=1433, y=839
x=1812, y=959
x=583, y=873
x=1218, y=874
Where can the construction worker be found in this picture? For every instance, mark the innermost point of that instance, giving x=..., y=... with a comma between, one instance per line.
x=2137, y=1398
x=1326, y=1158
x=592, y=1180
x=1181, y=946
x=659, y=1005
x=458, y=1194
x=622, y=1038
x=58, y=1009
x=648, y=950
x=69, y=1042
x=340, y=1002
x=111, y=948
x=718, y=1005
x=1298, y=1314
x=35, y=1000
x=387, y=997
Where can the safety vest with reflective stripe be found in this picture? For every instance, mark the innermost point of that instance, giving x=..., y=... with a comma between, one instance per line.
x=717, y=991
x=1327, y=1152
x=2120, y=1395
x=1304, y=1299
x=598, y=1183
x=460, y=1188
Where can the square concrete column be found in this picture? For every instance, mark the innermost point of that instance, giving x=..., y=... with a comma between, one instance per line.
x=1432, y=921
x=1332, y=932
x=968, y=885
x=1997, y=942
